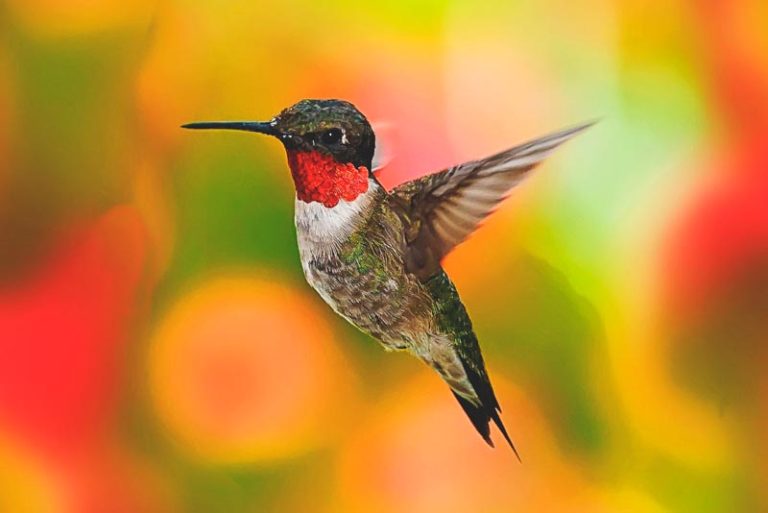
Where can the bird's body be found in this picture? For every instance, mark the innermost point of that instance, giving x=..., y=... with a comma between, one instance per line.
x=374, y=255
x=352, y=256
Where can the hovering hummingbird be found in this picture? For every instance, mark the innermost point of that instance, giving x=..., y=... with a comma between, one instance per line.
x=375, y=255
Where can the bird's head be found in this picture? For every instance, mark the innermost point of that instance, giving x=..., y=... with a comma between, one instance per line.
x=329, y=144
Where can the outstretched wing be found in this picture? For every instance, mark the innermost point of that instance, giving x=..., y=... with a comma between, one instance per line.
x=443, y=209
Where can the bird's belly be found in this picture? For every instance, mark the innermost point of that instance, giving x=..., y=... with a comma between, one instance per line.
x=378, y=304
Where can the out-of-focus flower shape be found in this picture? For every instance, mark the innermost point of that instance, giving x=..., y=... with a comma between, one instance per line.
x=714, y=305
x=62, y=334
x=243, y=369
x=725, y=231
x=716, y=267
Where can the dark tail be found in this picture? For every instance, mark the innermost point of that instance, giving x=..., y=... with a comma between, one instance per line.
x=483, y=408
x=487, y=411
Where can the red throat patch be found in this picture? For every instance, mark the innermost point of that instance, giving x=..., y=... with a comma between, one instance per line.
x=319, y=177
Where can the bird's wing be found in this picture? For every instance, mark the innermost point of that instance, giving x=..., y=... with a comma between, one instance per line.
x=442, y=209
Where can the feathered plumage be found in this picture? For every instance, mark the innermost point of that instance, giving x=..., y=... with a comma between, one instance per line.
x=375, y=256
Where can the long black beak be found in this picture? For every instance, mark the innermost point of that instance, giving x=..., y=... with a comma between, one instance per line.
x=261, y=127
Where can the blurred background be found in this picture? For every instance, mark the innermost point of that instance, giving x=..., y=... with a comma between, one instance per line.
x=160, y=351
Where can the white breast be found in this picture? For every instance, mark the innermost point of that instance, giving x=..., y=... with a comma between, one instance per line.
x=321, y=229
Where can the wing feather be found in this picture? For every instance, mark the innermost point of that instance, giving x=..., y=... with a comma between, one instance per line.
x=443, y=209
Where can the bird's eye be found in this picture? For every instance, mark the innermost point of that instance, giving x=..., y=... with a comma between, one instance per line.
x=332, y=136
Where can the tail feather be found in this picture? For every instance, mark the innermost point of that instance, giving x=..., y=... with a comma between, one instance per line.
x=488, y=409
x=457, y=350
x=478, y=417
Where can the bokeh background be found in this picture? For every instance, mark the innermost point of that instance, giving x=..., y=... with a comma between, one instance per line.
x=160, y=352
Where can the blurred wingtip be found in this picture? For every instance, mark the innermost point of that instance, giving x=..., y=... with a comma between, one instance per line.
x=591, y=122
x=382, y=154
x=584, y=125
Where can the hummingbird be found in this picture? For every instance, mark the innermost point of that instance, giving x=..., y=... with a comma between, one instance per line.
x=375, y=255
